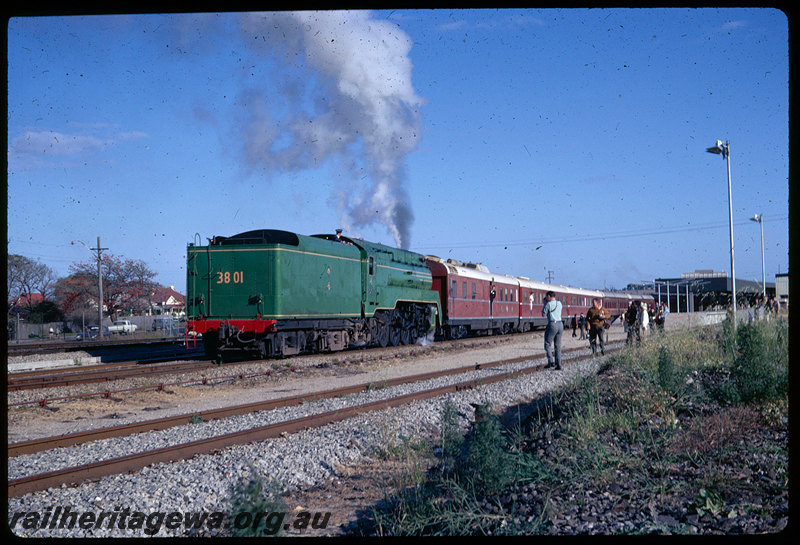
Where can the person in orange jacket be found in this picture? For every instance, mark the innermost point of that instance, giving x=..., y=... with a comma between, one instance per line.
x=596, y=318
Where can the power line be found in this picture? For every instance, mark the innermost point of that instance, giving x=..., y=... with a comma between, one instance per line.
x=598, y=236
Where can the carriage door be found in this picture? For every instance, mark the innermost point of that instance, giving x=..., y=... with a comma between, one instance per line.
x=452, y=295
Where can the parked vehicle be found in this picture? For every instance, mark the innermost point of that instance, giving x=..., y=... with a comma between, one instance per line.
x=91, y=333
x=123, y=327
x=166, y=324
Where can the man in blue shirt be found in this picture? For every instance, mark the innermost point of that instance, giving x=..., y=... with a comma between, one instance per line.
x=552, y=334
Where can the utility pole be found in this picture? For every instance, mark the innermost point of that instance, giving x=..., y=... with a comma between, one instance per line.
x=100, y=284
x=99, y=251
x=550, y=277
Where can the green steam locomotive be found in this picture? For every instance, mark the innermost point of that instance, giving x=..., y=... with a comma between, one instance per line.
x=268, y=293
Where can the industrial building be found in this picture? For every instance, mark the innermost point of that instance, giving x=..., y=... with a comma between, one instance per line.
x=703, y=290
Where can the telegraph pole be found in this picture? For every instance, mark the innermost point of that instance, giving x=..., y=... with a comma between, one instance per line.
x=100, y=285
x=99, y=258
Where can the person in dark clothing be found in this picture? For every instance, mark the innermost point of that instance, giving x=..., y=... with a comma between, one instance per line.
x=631, y=320
x=597, y=316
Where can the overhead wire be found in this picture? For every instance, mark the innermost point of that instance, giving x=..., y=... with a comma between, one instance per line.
x=595, y=236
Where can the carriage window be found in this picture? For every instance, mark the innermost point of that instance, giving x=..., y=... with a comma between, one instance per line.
x=463, y=290
x=473, y=290
x=454, y=290
x=371, y=266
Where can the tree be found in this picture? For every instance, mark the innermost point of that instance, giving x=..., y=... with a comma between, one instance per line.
x=127, y=283
x=45, y=311
x=26, y=277
x=76, y=296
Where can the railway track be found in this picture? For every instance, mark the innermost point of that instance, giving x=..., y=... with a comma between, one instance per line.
x=52, y=346
x=136, y=461
x=49, y=378
x=100, y=373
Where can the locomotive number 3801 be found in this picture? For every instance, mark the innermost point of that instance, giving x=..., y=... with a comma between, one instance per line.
x=227, y=277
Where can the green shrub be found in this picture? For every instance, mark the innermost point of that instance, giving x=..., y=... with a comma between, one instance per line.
x=760, y=370
x=452, y=438
x=668, y=374
x=256, y=508
x=488, y=464
x=486, y=460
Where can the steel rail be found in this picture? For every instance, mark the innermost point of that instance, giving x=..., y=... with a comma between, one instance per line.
x=45, y=347
x=137, y=461
x=32, y=380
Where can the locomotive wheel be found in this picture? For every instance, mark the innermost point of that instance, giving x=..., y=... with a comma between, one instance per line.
x=383, y=335
x=394, y=335
x=394, y=323
x=405, y=333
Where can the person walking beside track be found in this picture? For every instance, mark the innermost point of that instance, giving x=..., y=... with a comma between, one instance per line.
x=597, y=316
x=552, y=334
x=643, y=319
x=631, y=319
x=661, y=317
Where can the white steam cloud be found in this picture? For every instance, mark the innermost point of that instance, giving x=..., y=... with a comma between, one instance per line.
x=352, y=101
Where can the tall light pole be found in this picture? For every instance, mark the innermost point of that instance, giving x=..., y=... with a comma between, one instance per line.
x=725, y=150
x=760, y=219
x=99, y=258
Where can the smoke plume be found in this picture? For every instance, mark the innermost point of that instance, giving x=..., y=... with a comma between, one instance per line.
x=350, y=98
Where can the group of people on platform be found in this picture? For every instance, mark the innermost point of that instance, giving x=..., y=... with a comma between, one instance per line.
x=763, y=309
x=641, y=318
x=637, y=321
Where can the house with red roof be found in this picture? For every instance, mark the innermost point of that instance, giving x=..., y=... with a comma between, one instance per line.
x=166, y=300
x=26, y=300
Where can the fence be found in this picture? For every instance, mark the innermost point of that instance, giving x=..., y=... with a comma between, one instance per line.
x=68, y=330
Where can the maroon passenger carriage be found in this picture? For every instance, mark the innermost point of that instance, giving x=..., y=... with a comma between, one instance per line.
x=468, y=306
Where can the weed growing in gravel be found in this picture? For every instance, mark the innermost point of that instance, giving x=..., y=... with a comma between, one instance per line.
x=761, y=367
x=485, y=461
x=451, y=436
x=389, y=442
x=251, y=498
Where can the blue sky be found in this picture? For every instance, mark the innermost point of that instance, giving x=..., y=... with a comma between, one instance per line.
x=567, y=142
